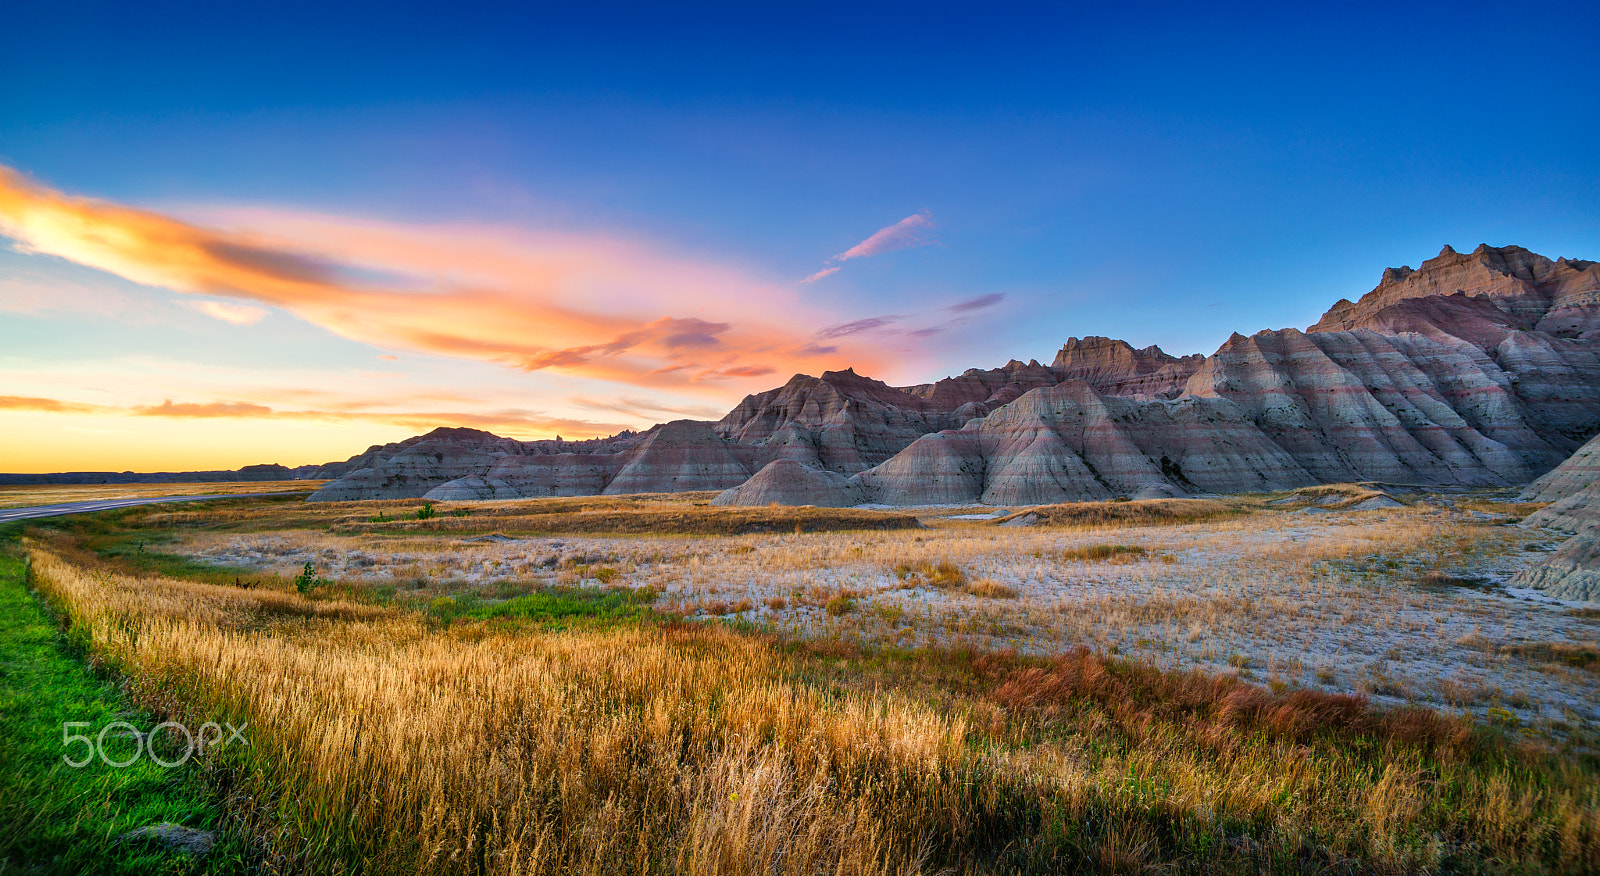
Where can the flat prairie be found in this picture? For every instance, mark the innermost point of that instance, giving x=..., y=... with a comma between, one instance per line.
x=1401, y=604
x=29, y=495
x=1274, y=683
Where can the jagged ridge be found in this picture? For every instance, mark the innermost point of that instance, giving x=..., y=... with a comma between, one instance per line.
x=1476, y=369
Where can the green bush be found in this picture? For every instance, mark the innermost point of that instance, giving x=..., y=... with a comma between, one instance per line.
x=307, y=580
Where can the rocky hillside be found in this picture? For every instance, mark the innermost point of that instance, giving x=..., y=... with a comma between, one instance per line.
x=1547, y=296
x=1573, y=489
x=1475, y=369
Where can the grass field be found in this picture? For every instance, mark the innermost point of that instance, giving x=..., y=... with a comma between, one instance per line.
x=568, y=718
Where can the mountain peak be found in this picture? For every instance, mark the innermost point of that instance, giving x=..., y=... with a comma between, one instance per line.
x=1525, y=281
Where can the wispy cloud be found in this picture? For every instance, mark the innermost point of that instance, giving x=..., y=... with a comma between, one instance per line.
x=982, y=302
x=30, y=403
x=746, y=371
x=586, y=305
x=912, y=231
x=825, y=272
x=908, y=232
x=647, y=410
x=209, y=409
x=856, y=327
x=238, y=314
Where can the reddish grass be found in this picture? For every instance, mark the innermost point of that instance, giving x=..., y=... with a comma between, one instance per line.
x=1137, y=695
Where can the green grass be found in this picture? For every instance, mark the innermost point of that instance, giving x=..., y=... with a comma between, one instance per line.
x=57, y=819
x=553, y=608
x=117, y=536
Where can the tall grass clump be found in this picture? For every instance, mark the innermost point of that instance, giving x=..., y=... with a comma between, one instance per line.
x=1139, y=512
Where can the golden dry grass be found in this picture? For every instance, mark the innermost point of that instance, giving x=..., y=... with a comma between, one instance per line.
x=1346, y=601
x=384, y=743
x=1141, y=512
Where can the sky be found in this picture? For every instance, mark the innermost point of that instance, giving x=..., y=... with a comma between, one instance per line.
x=235, y=234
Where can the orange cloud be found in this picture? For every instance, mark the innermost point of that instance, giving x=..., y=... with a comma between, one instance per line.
x=28, y=403
x=212, y=409
x=583, y=305
x=647, y=410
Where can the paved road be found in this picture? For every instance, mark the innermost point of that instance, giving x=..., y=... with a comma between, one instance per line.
x=9, y=514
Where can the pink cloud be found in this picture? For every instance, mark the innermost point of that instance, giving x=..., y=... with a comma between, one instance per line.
x=825, y=272
x=905, y=234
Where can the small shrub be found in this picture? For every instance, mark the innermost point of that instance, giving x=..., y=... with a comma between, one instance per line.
x=840, y=606
x=890, y=613
x=777, y=603
x=461, y=512
x=988, y=588
x=427, y=511
x=1503, y=717
x=1104, y=553
x=307, y=580
x=443, y=608
x=943, y=575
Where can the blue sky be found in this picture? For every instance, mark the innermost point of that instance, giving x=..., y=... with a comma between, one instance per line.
x=1158, y=173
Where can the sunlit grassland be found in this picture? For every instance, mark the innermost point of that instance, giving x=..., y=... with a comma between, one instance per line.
x=464, y=739
x=27, y=495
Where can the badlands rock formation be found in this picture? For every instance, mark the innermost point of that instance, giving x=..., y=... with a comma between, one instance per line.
x=468, y=464
x=1556, y=296
x=1114, y=367
x=1573, y=489
x=1476, y=369
x=787, y=482
x=411, y=468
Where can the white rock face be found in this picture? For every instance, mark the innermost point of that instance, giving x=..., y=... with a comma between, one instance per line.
x=787, y=482
x=1573, y=491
